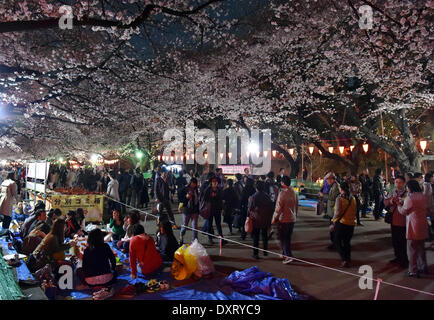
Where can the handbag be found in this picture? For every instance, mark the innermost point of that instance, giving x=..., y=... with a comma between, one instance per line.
x=333, y=224
x=205, y=210
x=248, y=226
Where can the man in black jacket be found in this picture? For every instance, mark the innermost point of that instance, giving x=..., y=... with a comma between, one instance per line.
x=124, y=182
x=162, y=193
x=366, y=182
x=378, y=191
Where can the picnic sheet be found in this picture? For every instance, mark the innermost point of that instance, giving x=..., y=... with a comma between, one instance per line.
x=250, y=284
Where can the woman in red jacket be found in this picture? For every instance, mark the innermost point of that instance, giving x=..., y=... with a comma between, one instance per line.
x=143, y=252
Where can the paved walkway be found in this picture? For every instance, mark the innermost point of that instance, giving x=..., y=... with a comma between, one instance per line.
x=371, y=245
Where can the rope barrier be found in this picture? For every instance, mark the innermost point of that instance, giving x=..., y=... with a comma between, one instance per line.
x=378, y=281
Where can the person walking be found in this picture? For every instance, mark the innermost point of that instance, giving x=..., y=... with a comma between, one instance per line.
x=378, y=191
x=331, y=203
x=261, y=210
x=214, y=195
x=136, y=184
x=248, y=191
x=189, y=197
x=162, y=193
x=398, y=223
x=344, y=221
x=113, y=192
x=230, y=203
x=366, y=182
x=285, y=216
x=356, y=188
x=238, y=189
x=414, y=208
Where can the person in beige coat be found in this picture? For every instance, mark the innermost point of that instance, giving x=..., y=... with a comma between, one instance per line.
x=8, y=195
x=285, y=215
x=414, y=207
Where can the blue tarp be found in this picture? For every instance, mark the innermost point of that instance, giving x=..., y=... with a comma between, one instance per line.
x=308, y=203
x=23, y=272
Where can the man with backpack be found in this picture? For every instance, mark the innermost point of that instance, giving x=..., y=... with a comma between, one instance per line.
x=137, y=182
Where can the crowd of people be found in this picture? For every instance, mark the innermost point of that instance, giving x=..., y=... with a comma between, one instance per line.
x=251, y=205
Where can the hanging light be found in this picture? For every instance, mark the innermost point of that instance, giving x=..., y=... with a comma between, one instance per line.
x=274, y=153
x=265, y=153
x=221, y=155
x=423, y=145
x=351, y=148
x=188, y=156
x=320, y=152
x=192, y=156
x=159, y=157
x=182, y=158
x=310, y=150
x=291, y=151
x=176, y=158
x=248, y=153
x=365, y=147
x=171, y=158
x=205, y=155
x=230, y=155
x=341, y=149
x=331, y=149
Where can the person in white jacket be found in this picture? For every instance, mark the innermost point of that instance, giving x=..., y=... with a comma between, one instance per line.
x=8, y=196
x=113, y=192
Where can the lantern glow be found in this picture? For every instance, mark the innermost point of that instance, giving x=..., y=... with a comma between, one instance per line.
x=310, y=150
x=365, y=147
x=341, y=149
x=423, y=145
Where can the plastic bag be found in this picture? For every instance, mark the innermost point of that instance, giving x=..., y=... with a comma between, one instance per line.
x=205, y=265
x=180, y=269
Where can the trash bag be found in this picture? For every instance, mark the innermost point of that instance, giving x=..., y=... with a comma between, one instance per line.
x=204, y=263
x=180, y=269
x=243, y=279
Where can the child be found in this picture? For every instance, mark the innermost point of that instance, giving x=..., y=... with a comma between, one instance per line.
x=166, y=242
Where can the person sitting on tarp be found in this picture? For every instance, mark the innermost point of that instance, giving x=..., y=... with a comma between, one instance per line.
x=39, y=216
x=53, y=214
x=99, y=263
x=166, y=241
x=19, y=213
x=144, y=253
x=72, y=227
x=117, y=231
x=31, y=242
x=25, y=228
x=52, y=247
x=129, y=224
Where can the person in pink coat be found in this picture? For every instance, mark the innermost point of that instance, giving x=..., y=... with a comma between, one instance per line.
x=414, y=207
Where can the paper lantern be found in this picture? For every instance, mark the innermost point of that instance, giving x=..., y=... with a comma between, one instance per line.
x=423, y=144
x=310, y=150
x=274, y=153
x=331, y=149
x=365, y=147
x=351, y=148
x=341, y=149
x=291, y=151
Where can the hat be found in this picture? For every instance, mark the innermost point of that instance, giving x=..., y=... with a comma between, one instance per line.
x=330, y=175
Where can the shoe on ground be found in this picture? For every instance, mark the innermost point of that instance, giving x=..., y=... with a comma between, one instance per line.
x=287, y=260
x=255, y=256
x=413, y=275
x=345, y=264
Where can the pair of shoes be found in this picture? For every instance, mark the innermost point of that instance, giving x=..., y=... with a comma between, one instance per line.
x=287, y=260
x=104, y=294
x=413, y=275
x=255, y=256
x=345, y=264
